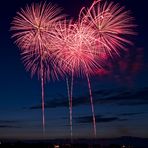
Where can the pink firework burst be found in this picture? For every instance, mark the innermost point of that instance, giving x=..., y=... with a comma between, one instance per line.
x=77, y=54
x=76, y=48
x=63, y=35
x=33, y=26
x=112, y=23
x=33, y=29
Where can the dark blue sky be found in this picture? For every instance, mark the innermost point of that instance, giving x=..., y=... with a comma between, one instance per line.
x=120, y=98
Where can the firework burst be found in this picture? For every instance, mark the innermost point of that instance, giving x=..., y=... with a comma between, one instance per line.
x=112, y=23
x=77, y=50
x=32, y=28
x=51, y=45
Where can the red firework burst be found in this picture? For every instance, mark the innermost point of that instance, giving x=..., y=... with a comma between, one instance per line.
x=33, y=28
x=75, y=48
x=76, y=53
x=112, y=24
x=50, y=46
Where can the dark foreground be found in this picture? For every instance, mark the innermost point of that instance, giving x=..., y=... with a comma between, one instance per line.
x=64, y=146
x=67, y=146
x=122, y=142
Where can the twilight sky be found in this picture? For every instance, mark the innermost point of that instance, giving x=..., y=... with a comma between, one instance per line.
x=120, y=93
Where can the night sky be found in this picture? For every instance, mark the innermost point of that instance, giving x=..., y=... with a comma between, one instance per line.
x=120, y=93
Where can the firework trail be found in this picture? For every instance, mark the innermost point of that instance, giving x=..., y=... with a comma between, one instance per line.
x=70, y=91
x=63, y=33
x=70, y=113
x=32, y=28
x=112, y=24
x=75, y=48
x=70, y=104
x=92, y=106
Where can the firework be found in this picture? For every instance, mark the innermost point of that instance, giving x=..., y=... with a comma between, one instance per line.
x=112, y=23
x=52, y=46
x=63, y=33
x=77, y=54
x=32, y=29
x=76, y=48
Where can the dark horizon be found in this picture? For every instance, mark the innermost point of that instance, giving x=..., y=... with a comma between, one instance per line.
x=76, y=143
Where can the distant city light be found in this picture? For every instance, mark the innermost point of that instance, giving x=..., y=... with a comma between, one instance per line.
x=56, y=146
